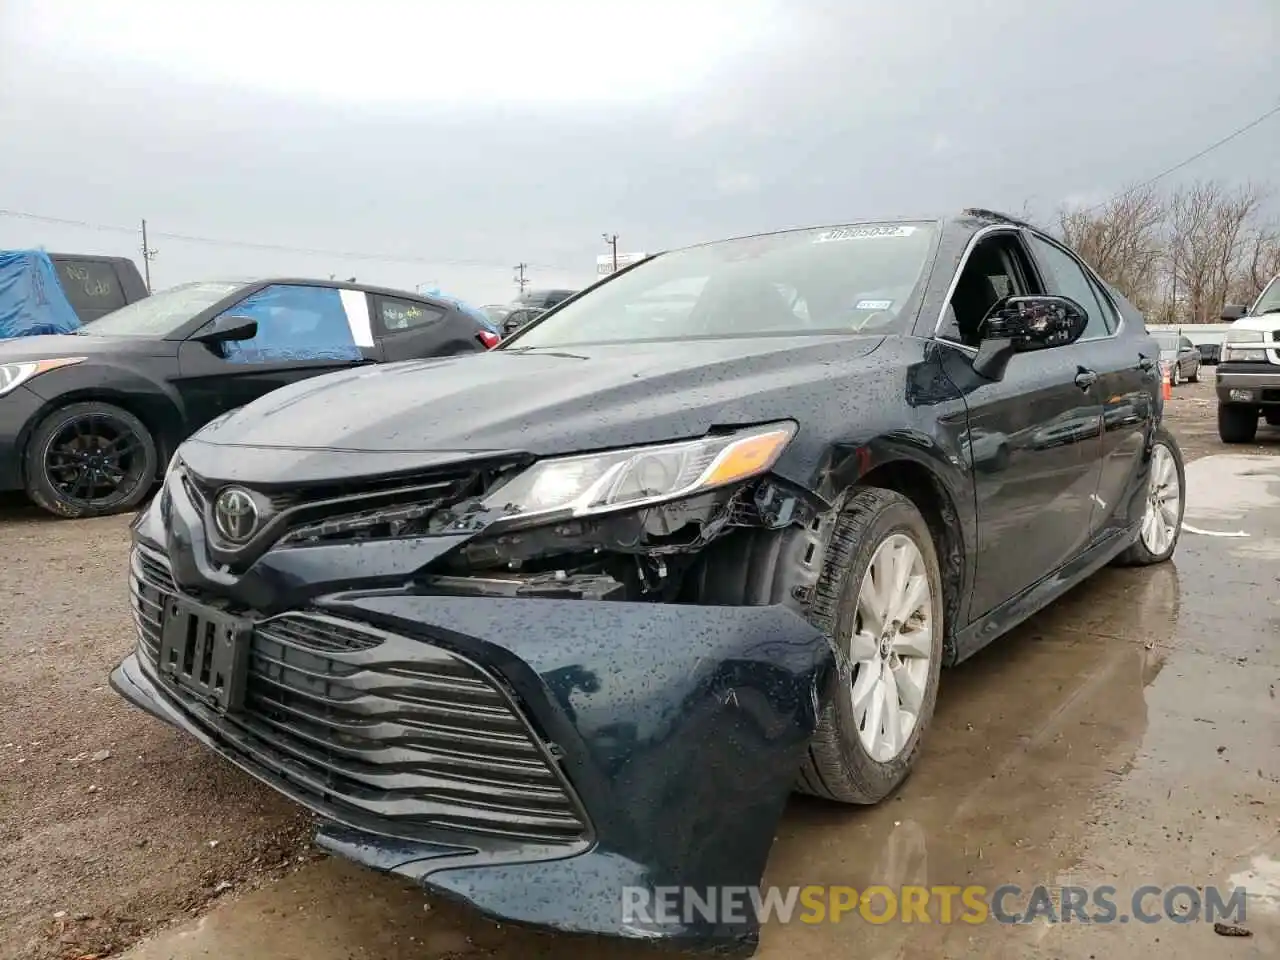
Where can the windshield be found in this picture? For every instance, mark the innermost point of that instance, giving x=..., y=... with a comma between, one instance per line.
x=161, y=313
x=1269, y=302
x=855, y=279
x=1167, y=341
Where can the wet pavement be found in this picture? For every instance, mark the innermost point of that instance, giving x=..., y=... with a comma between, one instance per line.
x=1129, y=735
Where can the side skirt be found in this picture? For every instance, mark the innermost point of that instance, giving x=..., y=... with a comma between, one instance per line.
x=1039, y=595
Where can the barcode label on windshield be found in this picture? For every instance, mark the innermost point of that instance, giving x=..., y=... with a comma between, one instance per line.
x=870, y=232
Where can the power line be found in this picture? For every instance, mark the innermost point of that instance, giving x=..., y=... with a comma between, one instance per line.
x=1191, y=159
x=271, y=247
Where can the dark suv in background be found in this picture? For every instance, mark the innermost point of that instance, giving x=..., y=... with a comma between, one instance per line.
x=97, y=285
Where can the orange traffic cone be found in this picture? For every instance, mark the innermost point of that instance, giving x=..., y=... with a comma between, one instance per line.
x=1166, y=386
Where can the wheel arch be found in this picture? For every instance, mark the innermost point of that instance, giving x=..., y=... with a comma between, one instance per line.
x=936, y=503
x=158, y=413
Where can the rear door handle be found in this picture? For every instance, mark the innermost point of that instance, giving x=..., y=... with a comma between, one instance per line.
x=1086, y=379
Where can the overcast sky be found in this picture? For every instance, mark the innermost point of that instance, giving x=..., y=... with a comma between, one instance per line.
x=445, y=142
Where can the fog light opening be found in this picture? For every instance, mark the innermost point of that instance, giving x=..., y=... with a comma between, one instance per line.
x=1241, y=396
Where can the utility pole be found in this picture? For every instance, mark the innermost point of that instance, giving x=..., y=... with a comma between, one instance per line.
x=612, y=241
x=520, y=279
x=147, y=256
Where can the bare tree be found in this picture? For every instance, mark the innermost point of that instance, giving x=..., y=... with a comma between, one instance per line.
x=1210, y=233
x=1122, y=240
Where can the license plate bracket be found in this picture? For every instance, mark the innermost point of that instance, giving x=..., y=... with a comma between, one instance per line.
x=204, y=652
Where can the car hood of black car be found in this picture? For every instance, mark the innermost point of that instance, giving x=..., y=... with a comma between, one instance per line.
x=542, y=401
x=55, y=346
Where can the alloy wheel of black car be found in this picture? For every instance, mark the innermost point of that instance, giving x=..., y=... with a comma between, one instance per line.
x=880, y=596
x=1195, y=375
x=90, y=460
x=1163, y=508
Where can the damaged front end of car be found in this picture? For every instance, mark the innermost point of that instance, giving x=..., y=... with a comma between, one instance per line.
x=534, y=687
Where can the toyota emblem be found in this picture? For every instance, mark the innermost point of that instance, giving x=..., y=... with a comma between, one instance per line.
x=235, y=514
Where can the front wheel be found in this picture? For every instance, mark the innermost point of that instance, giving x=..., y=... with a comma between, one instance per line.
x=1176, y=376
x=1195, y=374
x=879, y=596
x=90, y=460
x=1165, y=505
x=1236, y=423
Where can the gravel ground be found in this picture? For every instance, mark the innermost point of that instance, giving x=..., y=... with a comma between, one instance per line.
x=111, y=824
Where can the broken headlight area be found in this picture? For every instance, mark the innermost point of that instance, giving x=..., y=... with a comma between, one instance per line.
x=639, y=554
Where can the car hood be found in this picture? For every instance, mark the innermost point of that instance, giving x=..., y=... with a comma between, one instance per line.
x=538, y=402
x=54, y=346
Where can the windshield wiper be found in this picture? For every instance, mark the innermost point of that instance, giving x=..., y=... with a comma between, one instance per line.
x=1275, y=309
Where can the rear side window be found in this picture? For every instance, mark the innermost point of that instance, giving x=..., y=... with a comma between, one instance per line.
x=90, y=285
x=397, y=315
x=295, y=323
x=1071, y=281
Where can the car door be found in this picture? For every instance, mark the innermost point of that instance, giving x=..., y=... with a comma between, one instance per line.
x=1034, y=444
x=1127, y=372
x=303, y=330
x=412, y=329
x=1187, y=357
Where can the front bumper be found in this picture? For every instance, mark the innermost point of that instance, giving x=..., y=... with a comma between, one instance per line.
x=19, y=410
x=1261, y=381
x=634, y=745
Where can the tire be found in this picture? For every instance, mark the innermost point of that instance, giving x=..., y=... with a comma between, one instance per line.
x=98, y=427
x=1195, y=375
x=1145, y=551
x=1175, y=377
x=1273, y=417
x=1237, y=423
x=838, y=765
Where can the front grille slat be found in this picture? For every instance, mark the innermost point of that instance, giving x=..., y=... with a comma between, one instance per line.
x=378, y=730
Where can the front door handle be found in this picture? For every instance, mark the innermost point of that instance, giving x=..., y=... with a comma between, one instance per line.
x=1086, y=379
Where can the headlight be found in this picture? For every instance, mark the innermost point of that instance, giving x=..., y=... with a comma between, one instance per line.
x=619, y=479
x=13, y=375
x=1244, y=345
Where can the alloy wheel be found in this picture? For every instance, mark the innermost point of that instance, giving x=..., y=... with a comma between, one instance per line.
x=1164, y=501
x=93, y=459
x=891, y=647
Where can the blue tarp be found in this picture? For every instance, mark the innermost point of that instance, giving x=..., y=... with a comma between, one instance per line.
x=31, y=299
x=294, y=323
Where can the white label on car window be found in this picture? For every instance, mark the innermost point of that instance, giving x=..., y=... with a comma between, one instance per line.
x=866, y=232
x=357, y=306
x=873, y=305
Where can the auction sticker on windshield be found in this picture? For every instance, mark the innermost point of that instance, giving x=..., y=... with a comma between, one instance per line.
x=866, y=232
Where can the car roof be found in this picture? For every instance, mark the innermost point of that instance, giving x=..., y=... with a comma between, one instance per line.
x=969, y=219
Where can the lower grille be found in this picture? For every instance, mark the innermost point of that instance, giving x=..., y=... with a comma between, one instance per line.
x=381, y=731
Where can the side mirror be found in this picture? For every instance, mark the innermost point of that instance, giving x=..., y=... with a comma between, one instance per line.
x=228, y=329
x=1022, y=324
x=1233, y=312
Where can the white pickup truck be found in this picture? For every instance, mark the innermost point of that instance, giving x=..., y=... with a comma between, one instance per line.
x=1249, y=373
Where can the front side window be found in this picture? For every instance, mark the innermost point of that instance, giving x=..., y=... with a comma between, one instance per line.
x=1269, y=300
x=295, y=323
x=1071, y=281
x=161, y=313
x=846, y=280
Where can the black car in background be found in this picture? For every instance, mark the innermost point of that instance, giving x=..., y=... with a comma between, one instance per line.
x=520, y=317
x=580, y=613
x=96, y=285
x=88, y=421
x=545, y=299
